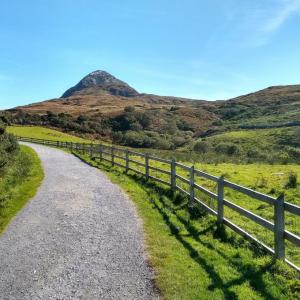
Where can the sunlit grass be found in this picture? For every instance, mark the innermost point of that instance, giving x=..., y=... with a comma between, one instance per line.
x=18, y=184
x=192, y=259
x=44, y=133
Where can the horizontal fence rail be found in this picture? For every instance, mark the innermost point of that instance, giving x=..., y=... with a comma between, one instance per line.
x=144, y=168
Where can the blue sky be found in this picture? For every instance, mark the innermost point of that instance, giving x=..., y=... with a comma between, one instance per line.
x=199, y=49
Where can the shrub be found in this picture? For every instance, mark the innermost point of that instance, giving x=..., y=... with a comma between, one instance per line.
x=201, y=147
x=8, y=148
x=134, y=139
x=253, y=153
x=178, y=141
x=227, y=148
x=291, y=181
x=2, y=130
x=217, y=123
x=294, y=152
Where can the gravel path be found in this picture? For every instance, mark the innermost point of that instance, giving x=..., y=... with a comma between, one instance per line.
x=79, y=238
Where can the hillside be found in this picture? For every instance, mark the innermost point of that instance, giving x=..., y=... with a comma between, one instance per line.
x=273, y=105
x=108, y=108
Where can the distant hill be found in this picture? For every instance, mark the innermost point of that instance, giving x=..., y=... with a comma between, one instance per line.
x=102, y=105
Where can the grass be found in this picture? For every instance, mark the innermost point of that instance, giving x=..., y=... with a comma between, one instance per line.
x=266, y=178
x=18, y=184
x=192, y=258
x=44, y=133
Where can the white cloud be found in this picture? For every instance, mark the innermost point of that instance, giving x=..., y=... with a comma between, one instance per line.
x=286, y=9
x=254, y=23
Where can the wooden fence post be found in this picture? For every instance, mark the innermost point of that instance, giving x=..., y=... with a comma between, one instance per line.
x=91, y=150
x=147, y=166
x=173, y=175
x=71, y=146
x=100, y=152
x=126, y=161
x=221, y=200
x=192, y=189
x=279, y=227
x=113, y=156
x=57, y=144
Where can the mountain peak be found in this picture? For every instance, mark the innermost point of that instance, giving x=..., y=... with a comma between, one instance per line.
x=101, y=80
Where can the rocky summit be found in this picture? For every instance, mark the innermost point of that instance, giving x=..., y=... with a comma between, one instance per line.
x=103, y=81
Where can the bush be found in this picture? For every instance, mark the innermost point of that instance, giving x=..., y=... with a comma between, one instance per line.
x=227, y=148
x=294, y=152
x=253, y=153
x=8, y=148
x=201, y=147
x=292, y=181
x=135, y=139
x=146, y=139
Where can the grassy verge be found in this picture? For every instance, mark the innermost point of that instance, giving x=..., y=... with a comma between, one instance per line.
x=18, y=184
x=268, y=179
x=192, y=258
x=44, y=133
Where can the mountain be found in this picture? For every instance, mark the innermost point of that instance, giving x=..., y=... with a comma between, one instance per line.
x=103, y=81
x=102, y=104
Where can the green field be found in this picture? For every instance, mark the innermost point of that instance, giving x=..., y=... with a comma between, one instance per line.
x=191, y=258
x=19, y=183
x=44, y=133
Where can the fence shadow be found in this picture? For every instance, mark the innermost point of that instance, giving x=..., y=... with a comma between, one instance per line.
x=248, y=272
x=173, y=202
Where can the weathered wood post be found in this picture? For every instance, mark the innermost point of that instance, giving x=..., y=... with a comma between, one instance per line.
x=71, y=146
x=91, y=150
x=192, y=188
x=173, y=175
x=126, y=161
x=279, y=227
x=220, y=200
x=113, y=156
x=147, y=166
x=57, y=144
x=100, y=153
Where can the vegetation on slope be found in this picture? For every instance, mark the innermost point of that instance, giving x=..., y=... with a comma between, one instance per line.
x=192, y=258
x=274, y=145
x=20, y=175
x=149, y=129
x=281, y=145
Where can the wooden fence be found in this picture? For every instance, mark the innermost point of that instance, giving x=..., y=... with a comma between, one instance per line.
x=111, y=154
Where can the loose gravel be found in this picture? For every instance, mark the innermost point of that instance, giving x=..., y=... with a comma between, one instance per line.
x=79, y=238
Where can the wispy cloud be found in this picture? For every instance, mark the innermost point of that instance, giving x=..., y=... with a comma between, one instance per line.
x=286, y=9
x=255, y=22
